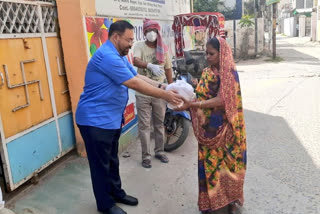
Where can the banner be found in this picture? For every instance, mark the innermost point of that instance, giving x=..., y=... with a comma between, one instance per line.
x=152, y=9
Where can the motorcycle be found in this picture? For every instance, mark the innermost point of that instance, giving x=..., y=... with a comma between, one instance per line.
x=177, y=123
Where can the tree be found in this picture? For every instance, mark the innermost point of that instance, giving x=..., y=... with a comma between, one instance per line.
x=206, y=5
x=246, y=23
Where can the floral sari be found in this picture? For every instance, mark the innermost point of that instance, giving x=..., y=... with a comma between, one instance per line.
x=220, y=132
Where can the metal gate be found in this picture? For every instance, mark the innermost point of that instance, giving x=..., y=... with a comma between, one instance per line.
x=308, y=26
x=36, y=125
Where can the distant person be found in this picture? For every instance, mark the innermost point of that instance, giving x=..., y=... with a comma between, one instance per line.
x=153, y=61
x=218, y=124
x=226, y=33
x=99, y=114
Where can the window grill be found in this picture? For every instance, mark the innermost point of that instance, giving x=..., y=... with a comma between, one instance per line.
x=50, y=18
x=49, y=1
x=17, y=17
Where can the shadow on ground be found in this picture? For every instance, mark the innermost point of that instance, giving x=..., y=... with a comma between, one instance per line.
x=281, y=178
x=292, y=55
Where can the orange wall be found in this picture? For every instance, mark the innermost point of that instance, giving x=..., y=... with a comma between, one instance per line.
x=71, y=13
x=88, y=7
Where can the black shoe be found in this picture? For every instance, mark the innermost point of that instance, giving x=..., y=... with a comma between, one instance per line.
x=162, y=157
x=128, y=200
x=115, y=210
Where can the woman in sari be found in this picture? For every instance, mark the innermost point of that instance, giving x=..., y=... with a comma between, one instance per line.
x=218, y=124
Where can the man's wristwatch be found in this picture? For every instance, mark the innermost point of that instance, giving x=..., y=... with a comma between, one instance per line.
x=159, y=86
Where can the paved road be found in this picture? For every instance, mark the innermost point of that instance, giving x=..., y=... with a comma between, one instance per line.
x=282, y=103
x=282, y=112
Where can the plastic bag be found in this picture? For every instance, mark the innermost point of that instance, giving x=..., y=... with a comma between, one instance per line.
x=1, y=202
x=184, y=89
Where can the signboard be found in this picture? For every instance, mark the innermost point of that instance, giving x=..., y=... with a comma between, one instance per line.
x=231, y=9
x=152, y=9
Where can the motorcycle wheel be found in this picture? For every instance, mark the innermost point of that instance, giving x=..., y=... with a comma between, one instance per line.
x=178, y=136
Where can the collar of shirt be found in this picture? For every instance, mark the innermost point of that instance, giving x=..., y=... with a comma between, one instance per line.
x=113, y=48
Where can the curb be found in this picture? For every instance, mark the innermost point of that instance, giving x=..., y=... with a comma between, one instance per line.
x=6, y=211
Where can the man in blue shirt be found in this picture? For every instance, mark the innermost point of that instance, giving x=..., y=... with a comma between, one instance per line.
x=99, y=114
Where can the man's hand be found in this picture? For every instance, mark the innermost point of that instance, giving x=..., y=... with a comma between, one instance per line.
x=155, y=69
x=163, y=86
x=172, y=96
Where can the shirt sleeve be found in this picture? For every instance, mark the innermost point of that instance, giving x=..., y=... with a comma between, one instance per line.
x=137, y=50
x=117, y=69
x=131, y=68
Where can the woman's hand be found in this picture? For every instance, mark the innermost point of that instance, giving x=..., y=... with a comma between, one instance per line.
x=185, y=106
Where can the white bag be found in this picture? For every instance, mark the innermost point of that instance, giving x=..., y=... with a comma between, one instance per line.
x=1, y=202
x=184, y=89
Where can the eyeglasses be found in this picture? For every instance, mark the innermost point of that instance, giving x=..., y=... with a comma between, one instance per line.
x=130, y=41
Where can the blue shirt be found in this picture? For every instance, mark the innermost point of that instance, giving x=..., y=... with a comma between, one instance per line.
x=104, y=97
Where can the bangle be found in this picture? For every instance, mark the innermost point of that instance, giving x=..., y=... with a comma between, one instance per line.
x=200, y=104
x=159, y=86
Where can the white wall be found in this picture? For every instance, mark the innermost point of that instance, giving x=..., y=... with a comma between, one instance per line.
x=318, y=22
x=240, y=33
x=314, y=26
x=290, y=26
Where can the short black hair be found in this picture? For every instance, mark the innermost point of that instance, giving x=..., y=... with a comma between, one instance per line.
x=119, y=27
x=214, y=42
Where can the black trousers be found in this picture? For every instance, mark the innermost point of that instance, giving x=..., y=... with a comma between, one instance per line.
x=102, y=151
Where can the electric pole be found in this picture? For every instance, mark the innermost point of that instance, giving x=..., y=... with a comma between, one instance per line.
x=274, y=26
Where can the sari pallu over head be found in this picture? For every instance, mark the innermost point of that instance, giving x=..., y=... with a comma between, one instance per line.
x=233, y=131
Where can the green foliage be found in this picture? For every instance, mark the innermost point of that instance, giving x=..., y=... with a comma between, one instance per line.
x=205, y=5
x=246, y=22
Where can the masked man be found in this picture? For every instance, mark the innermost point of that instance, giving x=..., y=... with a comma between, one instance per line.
x=152, y=59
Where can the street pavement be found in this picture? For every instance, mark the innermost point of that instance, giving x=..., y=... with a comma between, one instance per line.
x=282, y=102
x=282, y=115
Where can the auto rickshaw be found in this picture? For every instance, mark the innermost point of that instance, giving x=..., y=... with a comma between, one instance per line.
x=203, y=25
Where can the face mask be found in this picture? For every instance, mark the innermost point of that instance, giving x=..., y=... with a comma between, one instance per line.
x=151, y=36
